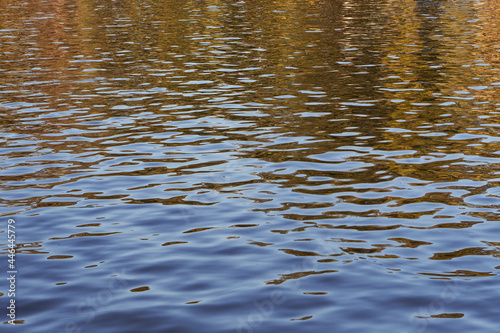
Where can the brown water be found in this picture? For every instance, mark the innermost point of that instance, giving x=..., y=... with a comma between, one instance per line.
x=251, y=166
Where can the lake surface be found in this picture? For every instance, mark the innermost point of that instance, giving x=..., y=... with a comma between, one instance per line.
x=251, y=166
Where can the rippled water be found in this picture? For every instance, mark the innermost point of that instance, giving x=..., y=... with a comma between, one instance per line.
x=251, y=166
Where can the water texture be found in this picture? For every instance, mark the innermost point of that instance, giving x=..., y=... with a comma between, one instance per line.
x=251, y=166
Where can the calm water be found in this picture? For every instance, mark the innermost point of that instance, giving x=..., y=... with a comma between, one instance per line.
x=251, y=166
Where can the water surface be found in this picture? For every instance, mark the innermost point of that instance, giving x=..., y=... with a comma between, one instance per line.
x=251, y=166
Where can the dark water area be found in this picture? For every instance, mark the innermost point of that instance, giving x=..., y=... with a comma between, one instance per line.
x=251, y=166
